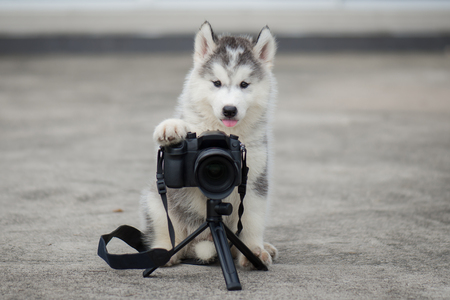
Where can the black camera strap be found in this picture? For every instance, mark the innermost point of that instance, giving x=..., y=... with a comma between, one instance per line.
x=242, y=189
x=162, y=190
x=145, y=259
x=133, y=237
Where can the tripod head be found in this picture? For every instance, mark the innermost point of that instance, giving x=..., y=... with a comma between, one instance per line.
x=215, y=209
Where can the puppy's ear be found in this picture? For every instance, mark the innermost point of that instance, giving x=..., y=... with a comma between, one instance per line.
x=205, y=42
x=265, y=47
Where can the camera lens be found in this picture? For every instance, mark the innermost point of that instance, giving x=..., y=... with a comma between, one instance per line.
x=215, y=173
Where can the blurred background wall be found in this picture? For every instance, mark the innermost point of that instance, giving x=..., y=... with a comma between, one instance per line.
x=158, y=25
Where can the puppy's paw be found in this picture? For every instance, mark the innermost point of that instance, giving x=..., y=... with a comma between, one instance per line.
x=170, y=132
x=272, y=250
x=174, y=260
x=266, y=254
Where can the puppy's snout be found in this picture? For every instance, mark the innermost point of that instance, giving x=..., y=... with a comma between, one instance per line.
x=229, y=111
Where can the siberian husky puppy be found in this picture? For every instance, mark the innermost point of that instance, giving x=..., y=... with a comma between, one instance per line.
x=230, y=88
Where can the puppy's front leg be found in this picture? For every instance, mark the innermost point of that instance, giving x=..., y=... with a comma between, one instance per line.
x=253, y=221
x=155, y=224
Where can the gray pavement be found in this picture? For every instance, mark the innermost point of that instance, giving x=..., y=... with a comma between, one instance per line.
x=361, y=208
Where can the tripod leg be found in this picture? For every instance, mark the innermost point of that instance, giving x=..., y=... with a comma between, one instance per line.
x=245, y=250
x=186, y=241
x=224, y=255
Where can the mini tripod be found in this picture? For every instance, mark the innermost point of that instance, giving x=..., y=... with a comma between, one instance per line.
x=215, y=209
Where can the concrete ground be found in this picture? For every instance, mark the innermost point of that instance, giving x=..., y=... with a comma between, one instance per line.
x=361, y=208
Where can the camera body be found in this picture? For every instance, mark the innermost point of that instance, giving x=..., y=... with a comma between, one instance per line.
x=211, y=161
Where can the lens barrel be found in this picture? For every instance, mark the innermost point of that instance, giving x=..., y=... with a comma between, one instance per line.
x=216, y=173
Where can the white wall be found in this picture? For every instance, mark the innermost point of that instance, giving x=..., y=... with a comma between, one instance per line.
x=172, y=17
x=229, y=4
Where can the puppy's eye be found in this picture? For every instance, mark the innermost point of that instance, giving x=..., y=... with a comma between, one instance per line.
x=217, y=83
x=244, y=84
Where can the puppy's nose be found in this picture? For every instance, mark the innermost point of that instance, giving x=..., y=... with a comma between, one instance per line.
x=229, y=111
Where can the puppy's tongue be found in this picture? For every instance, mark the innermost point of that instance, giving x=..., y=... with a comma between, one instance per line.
x=229, y=123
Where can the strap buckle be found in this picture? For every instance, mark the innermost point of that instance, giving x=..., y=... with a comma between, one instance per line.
x=161, y=184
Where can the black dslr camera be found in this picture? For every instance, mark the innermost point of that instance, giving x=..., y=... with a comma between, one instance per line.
x=212, y=162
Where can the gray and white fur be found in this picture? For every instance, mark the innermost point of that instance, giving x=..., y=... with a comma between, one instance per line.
x=230, y=88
